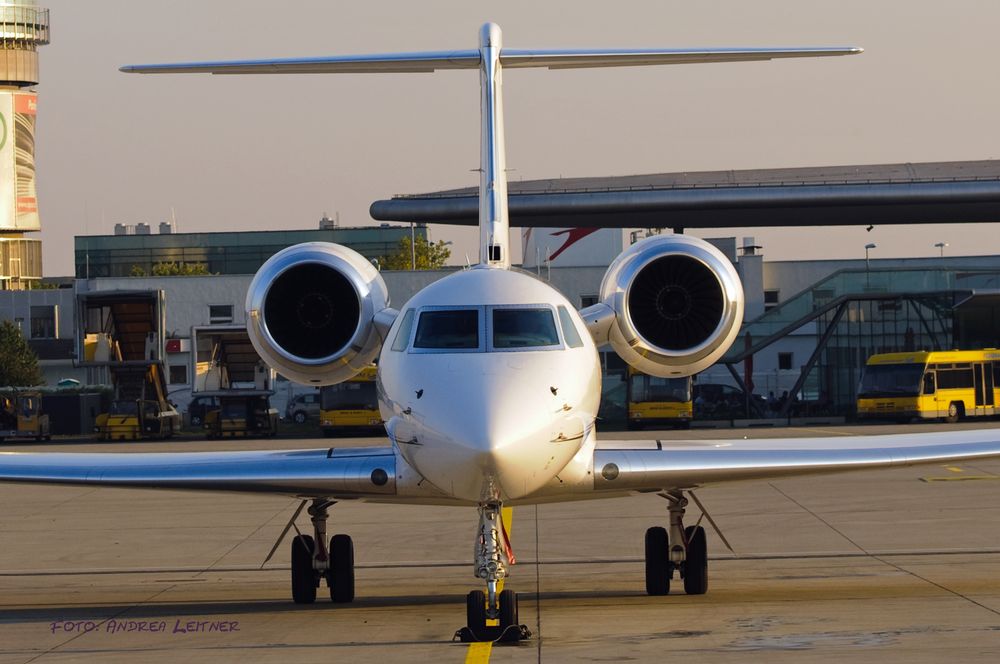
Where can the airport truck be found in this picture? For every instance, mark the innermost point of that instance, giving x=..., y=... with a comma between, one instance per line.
x=21, y=416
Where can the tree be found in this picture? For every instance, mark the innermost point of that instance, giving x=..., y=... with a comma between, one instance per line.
x=171, y=269
x=428, y=256
x=18, y=363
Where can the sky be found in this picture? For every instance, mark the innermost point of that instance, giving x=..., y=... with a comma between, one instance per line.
x=275, y=152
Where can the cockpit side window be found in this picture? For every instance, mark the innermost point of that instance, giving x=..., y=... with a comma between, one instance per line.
x=448, y=329
x=517, y=328
x=570, y=333
x=403, y=333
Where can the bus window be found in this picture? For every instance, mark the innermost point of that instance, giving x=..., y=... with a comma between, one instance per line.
x=891, y=380
x=352, y=395
x=929, y=383
x=651, y=388
x=955, y=378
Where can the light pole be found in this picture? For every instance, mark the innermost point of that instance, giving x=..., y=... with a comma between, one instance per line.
x=868, y=276
x=941, y=246
x=413, y=249
x=868, y=247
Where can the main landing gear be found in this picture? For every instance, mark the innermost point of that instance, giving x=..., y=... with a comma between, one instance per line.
x=688, y=554
x=313, y=561
x=492, y=615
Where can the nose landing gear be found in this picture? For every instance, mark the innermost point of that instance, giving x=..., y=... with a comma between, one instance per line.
x=492, y=615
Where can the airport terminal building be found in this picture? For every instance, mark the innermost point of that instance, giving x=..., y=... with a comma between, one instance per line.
x=809, y=326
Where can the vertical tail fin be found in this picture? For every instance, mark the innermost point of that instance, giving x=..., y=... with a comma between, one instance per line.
x=490, y=59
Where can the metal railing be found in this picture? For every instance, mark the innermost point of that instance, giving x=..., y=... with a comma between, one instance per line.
x=23, y=25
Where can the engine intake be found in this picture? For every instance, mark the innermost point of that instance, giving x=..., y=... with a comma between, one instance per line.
x=677, y=303
x=311, y=309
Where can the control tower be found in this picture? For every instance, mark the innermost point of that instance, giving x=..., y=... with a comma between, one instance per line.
x=24, y=26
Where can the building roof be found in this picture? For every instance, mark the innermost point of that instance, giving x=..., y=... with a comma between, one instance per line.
x=966, y=191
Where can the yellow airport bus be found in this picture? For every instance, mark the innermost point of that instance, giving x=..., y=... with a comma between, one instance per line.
x=351, y=405
x=946, y=385
x=656, y=401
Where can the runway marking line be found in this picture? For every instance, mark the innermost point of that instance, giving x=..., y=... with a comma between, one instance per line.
x=479, y=653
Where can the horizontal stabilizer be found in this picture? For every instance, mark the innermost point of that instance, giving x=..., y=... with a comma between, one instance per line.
x=469, y=59
x=339, y=64
x=576, y=59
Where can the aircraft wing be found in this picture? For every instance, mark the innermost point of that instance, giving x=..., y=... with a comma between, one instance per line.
x=333, y=473
x=654, y=465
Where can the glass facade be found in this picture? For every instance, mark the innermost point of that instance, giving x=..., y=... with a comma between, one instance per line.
x=219, y=253
x=854, y=314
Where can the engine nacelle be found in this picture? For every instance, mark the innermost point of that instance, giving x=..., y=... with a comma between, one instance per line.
x=311, y=309
x=677, y=303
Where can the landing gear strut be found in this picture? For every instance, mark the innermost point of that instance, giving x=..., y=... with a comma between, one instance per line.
x=492, y=615
x=684, y=550
x=313, y=561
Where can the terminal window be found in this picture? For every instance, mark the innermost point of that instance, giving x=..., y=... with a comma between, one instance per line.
x=220, y=314
x=784, y=360
x=178, y=374
x=43, y=322
x=771, y=299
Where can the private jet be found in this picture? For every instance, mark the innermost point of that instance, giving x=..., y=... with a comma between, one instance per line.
x=489, y=379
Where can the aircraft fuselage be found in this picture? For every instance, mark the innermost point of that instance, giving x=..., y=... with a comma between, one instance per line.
x=489, y=384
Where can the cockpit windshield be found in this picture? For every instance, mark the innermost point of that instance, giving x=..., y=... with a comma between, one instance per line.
x=517, y=328
x=448, y=329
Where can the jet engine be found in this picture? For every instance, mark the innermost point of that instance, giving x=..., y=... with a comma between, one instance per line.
x=311, y=312
x=671, y=305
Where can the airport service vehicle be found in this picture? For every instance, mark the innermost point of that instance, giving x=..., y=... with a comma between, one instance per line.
x=656, y=401
x=140, y=408
x=946, y=385
x=241, y=413
x=201, y=405
x=351, y=405
x=489, y=379
x=21, y=416
x=303, y=407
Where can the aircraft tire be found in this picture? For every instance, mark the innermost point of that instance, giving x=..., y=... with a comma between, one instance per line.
x=508, y=609
x=340, y=577
x=659, y=569
x=303, y=574
x=475, y=612
x=696, y=563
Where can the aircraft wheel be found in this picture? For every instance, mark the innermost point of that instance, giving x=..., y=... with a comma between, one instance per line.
x=340, y=577
x=659, y=569
x=508, y=609
x=303, y=574
x=475, y=612
x=696, y=564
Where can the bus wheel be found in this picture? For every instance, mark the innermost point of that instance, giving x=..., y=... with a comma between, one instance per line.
x=954, y=412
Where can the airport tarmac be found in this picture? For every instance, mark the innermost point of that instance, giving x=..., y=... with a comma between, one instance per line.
x=894, y=566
